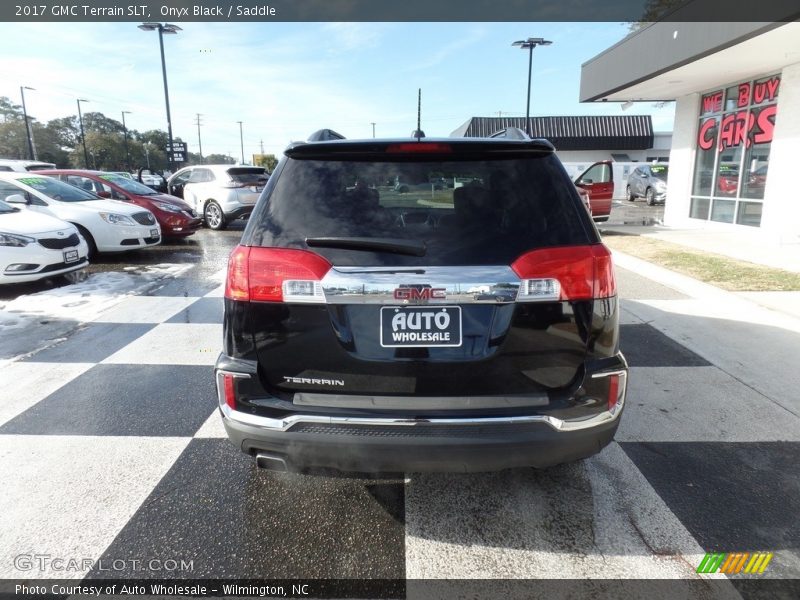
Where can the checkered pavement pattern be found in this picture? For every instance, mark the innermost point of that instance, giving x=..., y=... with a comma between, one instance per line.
x=111, y=447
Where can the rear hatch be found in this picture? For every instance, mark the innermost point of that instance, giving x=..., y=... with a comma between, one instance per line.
x=249, y=182
x=478, y=284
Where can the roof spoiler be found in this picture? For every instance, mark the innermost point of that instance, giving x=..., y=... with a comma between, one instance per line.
x=512, y=133
x=325, y=135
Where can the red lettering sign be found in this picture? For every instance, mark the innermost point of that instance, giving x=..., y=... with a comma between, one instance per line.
x=733, y=129
x=766, y=90
x=705, y=139
x=712, y=102
x=766, y=124
x=419, y=294
x=744, y=95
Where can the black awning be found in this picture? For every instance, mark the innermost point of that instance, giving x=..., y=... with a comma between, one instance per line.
x=623, y=132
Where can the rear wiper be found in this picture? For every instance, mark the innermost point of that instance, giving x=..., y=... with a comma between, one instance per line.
x=392, y=245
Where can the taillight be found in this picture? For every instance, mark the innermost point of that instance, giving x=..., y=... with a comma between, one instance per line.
x=275, y=275
x=229, y=390
x=617, y=383
x=565, y=273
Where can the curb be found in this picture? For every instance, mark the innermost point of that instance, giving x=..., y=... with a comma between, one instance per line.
x=700, y=290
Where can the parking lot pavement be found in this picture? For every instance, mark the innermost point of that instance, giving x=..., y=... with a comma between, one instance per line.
x=112, y=448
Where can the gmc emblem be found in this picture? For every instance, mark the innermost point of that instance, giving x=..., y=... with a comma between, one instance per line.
x=425, y=293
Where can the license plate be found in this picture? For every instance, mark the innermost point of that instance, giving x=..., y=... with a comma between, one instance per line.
x=420, y=326
x=70, y=256
x=154, y=233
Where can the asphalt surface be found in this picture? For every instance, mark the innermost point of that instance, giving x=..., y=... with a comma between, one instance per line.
x=111, y=448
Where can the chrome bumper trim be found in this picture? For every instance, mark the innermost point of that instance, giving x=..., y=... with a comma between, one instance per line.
x=285, y=424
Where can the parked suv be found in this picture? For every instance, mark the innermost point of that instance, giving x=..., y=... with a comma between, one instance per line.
x=648, y=182
x=464, y=329
x=220, y=193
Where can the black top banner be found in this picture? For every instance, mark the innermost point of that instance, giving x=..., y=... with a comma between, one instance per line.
x=401, y=10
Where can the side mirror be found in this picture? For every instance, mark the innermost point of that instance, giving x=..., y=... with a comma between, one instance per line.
x=17, y=199
x=104, y=194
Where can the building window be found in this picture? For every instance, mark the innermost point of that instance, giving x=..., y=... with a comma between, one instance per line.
x=733, y=146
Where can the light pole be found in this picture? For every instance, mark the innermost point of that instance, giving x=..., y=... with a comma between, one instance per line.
x=83, y=137
x=373, y=130
x=530, y=44
x=125, y=133
x=28, y=128
x=162, y=29
x=241, y=139
x=147, y=155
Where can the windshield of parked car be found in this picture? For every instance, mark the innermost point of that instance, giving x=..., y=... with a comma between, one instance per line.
x=7, y=208
x=465, y=212
x=58, y=190
x=248, y=176
x=129, y=185
x=659, y=171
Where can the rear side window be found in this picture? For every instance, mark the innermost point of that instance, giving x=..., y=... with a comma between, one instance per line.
x=251, y=176
x=467, y=212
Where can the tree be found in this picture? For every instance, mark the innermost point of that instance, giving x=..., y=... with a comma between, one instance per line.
x=268, y=161
x=655, y=10
x=96, y=121
x=10, y=111
x=219, y=159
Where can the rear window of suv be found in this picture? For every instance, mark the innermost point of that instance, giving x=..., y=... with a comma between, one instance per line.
x=467, y=212
x=251, y=176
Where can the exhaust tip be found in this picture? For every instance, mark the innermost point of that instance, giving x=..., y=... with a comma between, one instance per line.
x=271, y=462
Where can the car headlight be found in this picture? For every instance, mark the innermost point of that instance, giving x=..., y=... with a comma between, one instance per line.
x=15, y=241
x=117, y=219
x=170, y=208
x=661, y=186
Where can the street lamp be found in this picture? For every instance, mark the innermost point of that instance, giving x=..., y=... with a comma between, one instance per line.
x=162, y=29
x=125, y=133
x=83, y=137
x=28, y=128
x=241, y=139
x=530, y=44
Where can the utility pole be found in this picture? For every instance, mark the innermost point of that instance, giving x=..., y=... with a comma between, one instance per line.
x=28, y=128
x=125, y=133
x=262, y=146
x=241, y=139
x=83, y=136
x=199, y=143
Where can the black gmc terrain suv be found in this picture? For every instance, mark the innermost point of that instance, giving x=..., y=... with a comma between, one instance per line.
x=467, y=323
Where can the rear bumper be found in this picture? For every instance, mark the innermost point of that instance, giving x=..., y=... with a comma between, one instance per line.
x=420, y=447
x=382, y=443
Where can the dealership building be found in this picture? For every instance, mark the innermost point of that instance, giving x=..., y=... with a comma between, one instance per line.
x=735, y=155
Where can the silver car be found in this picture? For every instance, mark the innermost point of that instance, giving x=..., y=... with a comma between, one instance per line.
x=220, y=193
x=648, y=182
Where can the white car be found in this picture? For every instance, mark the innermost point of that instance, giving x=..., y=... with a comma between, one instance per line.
x=34, y=246
x=220, y=193
x=107, y=225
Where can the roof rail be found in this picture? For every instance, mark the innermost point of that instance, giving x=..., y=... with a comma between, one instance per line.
x=325, y=135
x=514, y=133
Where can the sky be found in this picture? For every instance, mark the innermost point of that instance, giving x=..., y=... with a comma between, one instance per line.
x=286, y=80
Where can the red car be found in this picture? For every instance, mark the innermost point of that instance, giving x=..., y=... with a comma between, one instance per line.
x=598, y=183
x=728, y=180
x=176, y=217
